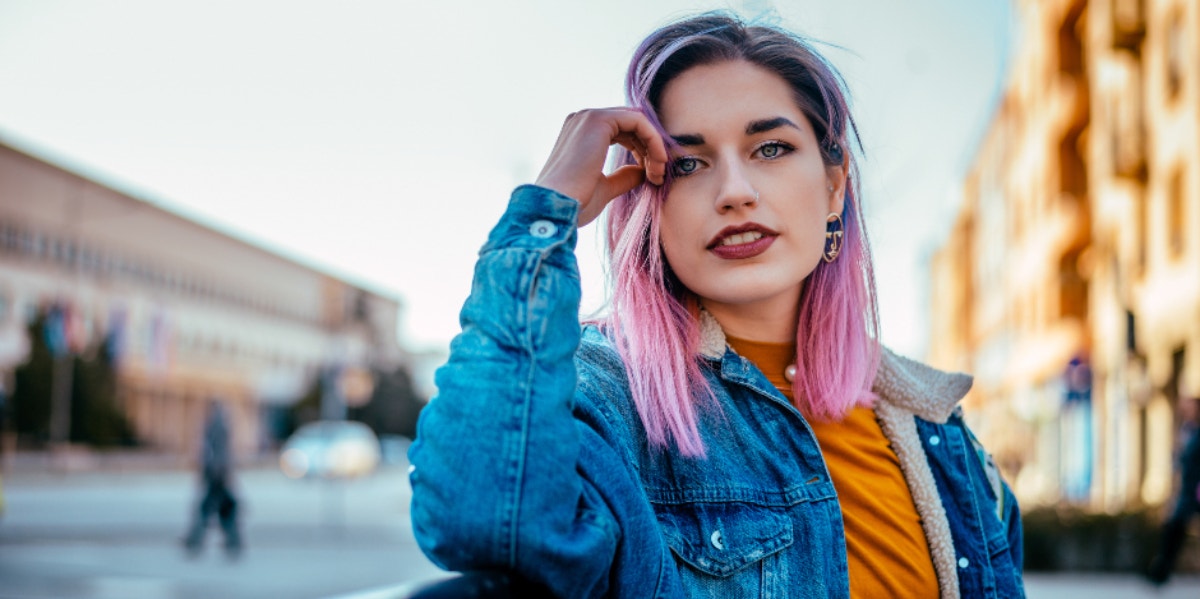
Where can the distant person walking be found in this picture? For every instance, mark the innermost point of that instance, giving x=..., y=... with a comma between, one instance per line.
x=1174, y=530
x=216, y=466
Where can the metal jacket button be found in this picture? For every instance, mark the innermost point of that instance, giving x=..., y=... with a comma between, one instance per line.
x=716, y=540
x=543, y=229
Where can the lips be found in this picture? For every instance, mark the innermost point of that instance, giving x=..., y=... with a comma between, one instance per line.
x=743, y=241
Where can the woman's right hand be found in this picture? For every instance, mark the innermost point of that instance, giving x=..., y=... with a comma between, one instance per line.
x=576, y=165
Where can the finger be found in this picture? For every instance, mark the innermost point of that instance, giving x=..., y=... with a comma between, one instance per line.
x=632, y=122
x=621, y=181
x=632, y=143
x=635, y=146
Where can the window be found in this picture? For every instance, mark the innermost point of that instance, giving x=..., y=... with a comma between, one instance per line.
x=1175, y=214
x=1176, y=55
x=1129, y=26
x=1127, y=136
x=1070, y=44
x=32, y=244
x=1073, y=287
x=1143, y=233
x=1072, y=168
x=8, y=236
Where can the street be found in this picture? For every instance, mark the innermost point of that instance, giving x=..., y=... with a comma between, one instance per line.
x=1107, y=586
x=116, y=536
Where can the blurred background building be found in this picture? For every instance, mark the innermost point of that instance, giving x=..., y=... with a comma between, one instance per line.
x=120, y=321
x=1070, y=283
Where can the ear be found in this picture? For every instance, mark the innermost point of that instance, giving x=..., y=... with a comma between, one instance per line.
x=835, y=186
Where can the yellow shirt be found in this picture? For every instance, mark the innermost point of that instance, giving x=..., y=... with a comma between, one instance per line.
x=886, y=549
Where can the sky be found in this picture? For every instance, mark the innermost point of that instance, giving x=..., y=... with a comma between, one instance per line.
x=379, y=140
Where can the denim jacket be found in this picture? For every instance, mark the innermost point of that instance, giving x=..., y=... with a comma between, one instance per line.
x=532, y=457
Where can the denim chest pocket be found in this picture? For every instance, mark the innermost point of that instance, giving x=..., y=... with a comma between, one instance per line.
x=726, y=550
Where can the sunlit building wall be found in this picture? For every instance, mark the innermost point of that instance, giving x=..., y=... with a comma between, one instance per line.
x=1165, y=278
x=197, y=315
x=1012, y=258
x=1070, y=283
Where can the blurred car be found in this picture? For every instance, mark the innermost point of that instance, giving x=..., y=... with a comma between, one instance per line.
x=330, y=449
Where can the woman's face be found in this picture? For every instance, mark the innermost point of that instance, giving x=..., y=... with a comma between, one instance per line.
x=744, y=222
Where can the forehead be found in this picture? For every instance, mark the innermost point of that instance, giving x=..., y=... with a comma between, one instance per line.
x=726, y=94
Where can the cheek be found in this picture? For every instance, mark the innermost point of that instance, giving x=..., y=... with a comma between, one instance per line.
x=677, y=228
x=672, y=239
x=814, y=228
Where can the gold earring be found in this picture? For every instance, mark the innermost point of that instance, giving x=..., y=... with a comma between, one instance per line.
x=834, y=234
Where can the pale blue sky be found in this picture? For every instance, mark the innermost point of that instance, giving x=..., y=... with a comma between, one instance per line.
x=380, y=139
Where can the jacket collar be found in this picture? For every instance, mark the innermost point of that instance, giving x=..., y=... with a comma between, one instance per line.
x=927, y=392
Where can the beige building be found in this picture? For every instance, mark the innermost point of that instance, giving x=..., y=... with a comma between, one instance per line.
x=1078, y=239
x=195, y=314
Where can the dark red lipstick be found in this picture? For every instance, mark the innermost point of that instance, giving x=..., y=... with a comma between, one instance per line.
x=747, y=249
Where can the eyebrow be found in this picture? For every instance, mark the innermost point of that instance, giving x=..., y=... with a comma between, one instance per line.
x=689, y=139
x=769, y=124
x=752, y=128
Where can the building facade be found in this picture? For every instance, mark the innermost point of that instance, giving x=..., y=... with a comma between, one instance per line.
x=191, y=315
x=1070, y=283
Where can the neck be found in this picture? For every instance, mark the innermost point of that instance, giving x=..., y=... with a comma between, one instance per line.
x=774, y=322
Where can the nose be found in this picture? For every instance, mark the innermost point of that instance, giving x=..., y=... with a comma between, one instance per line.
x=736, y=190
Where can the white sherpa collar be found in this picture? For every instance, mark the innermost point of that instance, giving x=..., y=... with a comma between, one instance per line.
x=922, y=390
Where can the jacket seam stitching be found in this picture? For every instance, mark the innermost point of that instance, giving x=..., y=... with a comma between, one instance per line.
x=526, y=403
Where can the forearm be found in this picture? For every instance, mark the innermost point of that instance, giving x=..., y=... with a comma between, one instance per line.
x=496, y=453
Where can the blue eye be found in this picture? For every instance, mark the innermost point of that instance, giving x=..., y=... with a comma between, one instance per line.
x=773, y=149
x=686, y=166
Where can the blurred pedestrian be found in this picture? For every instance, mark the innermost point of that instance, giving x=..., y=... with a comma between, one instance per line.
x=1174, y=530
x=216, y=465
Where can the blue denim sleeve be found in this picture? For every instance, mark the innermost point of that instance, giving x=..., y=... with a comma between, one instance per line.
x=496, y=479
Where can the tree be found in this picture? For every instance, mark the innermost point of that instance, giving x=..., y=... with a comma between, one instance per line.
x=394, y=404
x=31, y=389
x=96, y=419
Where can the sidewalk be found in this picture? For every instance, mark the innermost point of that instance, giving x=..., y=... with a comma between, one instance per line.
x=123, y=510
x=1096, y=585
x=116, y=535
x=81, y=459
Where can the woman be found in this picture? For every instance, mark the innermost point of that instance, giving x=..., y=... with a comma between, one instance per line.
x=732, y=428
